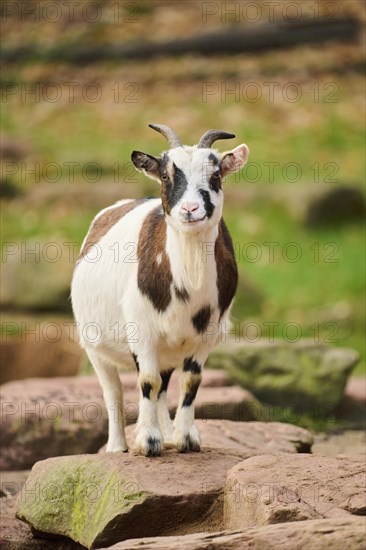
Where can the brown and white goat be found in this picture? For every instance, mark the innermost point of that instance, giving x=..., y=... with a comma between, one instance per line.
x=151, y=276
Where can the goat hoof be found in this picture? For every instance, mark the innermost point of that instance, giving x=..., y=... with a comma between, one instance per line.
x=116, y=449
x=152, y=447
x=149, y=442
x=189, y=442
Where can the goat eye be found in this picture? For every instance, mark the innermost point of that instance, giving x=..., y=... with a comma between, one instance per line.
x=216, y=175
x=164, y=177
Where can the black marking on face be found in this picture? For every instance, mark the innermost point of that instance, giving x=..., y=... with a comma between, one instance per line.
x=215, y=179
x=190, y=365
x=146, y=388
x=165, y=377
x=201, y=319
x=213, y=158
x=172, y=192
x=136, y=361
x=163, y=164
x=180, y=185
x=181, y=294
x=190, y=396
x=209, y=207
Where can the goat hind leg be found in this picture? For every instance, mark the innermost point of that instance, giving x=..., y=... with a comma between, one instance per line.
x=113, y=398
x=165, y=422
x=186, y=436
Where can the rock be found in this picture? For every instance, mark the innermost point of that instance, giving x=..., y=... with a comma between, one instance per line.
x=243, y=438
x=83, y=195
x=249, y=437
x=59, y=358
x=36, y=275
x=110, y=497
x=356, y=388
x=325, y=534
x=309, y=204
x=12, y=482
x=14, y=533
x=8, y=188
x=285, y=488
x=352, y=410
x=336, y=206
x=254, y=436
x=344, y=442
x=13, y=149
x=311, y=377
x=44, y=417
x=17, y=535
x=318, y=205
x=226, y=403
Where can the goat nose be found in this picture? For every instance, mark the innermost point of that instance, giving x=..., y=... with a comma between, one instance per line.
x=189, y=206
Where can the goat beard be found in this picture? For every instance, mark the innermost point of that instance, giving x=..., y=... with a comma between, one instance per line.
x=193, y=262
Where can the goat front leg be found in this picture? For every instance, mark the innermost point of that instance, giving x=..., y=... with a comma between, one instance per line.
x=148, y=435
x=185, y=435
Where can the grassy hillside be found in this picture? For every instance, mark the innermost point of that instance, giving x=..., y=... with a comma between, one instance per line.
x=301, y=112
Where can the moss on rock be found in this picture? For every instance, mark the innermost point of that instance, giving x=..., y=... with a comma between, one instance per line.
x=310, y=377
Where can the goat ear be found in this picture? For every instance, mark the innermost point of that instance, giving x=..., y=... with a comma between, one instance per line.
x=232, y=161
x=147, y=163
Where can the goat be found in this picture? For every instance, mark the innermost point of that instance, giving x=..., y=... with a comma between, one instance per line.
x=154, y=309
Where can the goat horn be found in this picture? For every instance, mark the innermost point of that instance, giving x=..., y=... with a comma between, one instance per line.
x=212, y=135
x=170, y=134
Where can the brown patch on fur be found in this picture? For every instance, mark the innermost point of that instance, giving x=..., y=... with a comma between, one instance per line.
x=154, y=280
x=227, y=271
x=105, y=222
x=165, y=188
x=166, y=185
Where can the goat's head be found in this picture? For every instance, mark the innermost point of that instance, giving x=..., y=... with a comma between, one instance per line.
x=191, y=177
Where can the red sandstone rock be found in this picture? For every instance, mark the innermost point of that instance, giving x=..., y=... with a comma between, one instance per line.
x=44, y=417
x=284, y=488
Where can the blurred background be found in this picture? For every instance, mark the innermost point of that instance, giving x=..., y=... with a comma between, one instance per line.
x=81, y=81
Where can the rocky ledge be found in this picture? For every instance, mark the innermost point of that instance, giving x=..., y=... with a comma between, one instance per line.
x=251, y=486
x=335, y=534
x=45, y=417
x=98, y=500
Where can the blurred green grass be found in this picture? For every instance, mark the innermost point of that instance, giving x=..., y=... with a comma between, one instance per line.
x=325, y=299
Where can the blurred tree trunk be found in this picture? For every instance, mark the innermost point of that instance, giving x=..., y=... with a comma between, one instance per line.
x=233, y=40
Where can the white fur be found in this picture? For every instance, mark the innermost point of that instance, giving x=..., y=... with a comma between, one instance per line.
x=115, y=318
